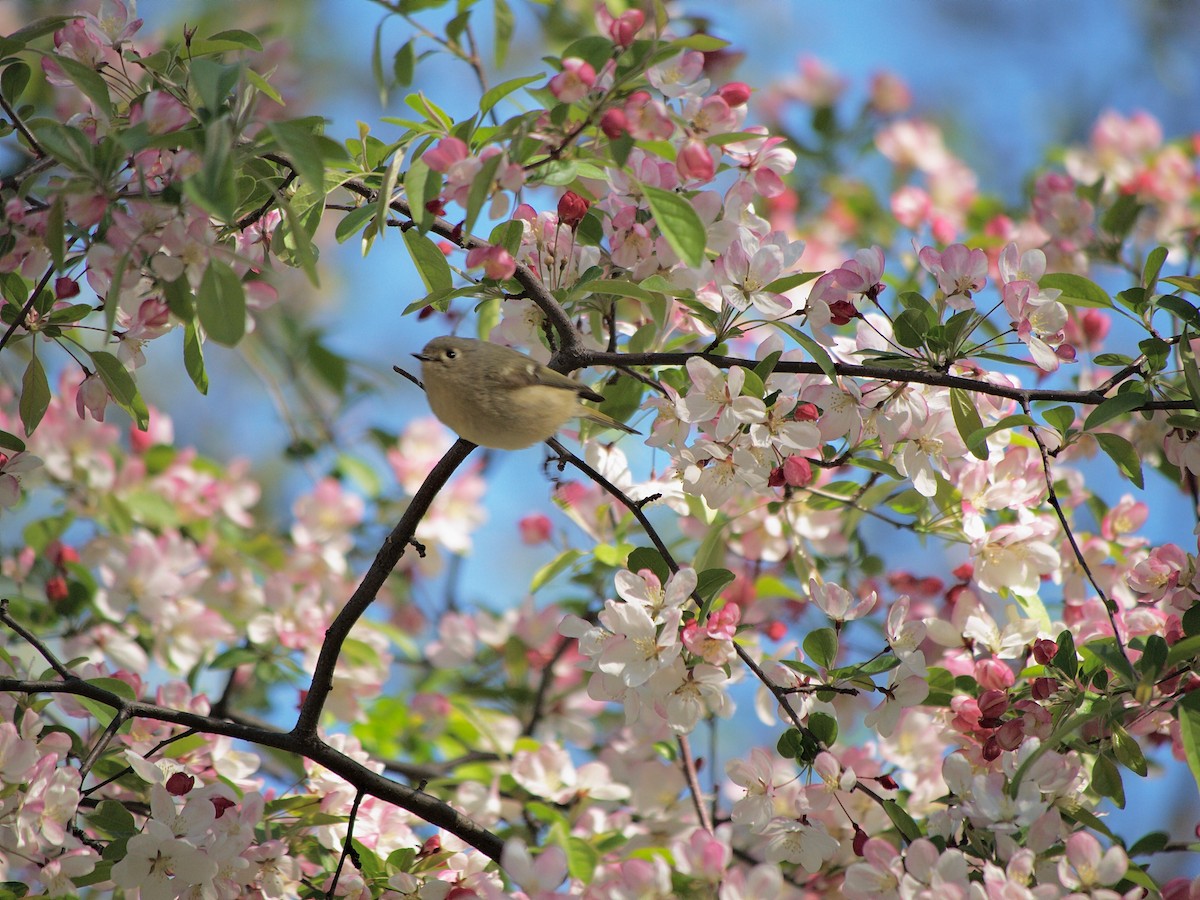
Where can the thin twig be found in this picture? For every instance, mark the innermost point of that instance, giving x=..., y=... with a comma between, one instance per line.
x=688, y=763
x=1110, y=606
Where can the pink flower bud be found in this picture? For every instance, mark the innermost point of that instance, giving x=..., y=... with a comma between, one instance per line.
x=1095, y=325
x=994, y=675
x=694, y=162
x=535, y=528
x=614, y=123
x=91, y=397
x=735, y=93
x=625, y=28
x=797, y=471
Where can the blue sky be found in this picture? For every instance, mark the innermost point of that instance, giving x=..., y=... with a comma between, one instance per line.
x=1006, y=79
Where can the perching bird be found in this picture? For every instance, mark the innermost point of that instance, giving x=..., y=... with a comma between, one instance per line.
x=498, y=397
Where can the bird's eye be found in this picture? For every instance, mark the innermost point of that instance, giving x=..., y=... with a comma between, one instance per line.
x=451, y=354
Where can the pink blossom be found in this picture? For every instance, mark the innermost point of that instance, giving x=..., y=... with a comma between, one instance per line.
x=679, y=75
x=160, y=112
x=960, y=271
x=817, y=85
x=765, y=160
x=497, y=262
x=889, y=95
x=1086, y=866
x=647, y=119
x=574, y=81
x=91, y=397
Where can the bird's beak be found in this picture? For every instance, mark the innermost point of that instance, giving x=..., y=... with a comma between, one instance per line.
x=420, y=357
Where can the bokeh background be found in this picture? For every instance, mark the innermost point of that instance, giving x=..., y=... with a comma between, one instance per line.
x=1007, y=81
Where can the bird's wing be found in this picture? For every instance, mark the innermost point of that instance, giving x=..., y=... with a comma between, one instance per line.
x=528, y=373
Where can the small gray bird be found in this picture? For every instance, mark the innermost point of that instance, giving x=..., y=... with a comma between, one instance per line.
x=498, y=397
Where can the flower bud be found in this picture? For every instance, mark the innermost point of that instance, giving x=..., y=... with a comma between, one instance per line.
x=735, y=93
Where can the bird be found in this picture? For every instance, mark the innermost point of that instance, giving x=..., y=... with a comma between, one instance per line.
x=498, y=397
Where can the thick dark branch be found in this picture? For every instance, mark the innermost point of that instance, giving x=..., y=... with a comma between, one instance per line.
x=385, y=561
x=311, y=747
x=1095, y=397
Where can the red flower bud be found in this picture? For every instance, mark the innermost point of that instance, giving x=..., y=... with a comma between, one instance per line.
x=993, y=704
x=65, y=287
x=1044, y=650
x=571, y=209
x=735, y=93
x=179, y=784
x=56, y=589
x=806, y=412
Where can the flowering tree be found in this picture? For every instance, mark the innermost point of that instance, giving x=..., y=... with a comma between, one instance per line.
x=199, y=701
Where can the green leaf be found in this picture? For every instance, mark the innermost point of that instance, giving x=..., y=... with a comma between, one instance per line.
x=1060, y=418
x=89, y=81
x=35, y=395
x=903, y=821
x=193, y=356
x=13, y=81
x=293, y=241
x=823, y=727
x=1077, y=290
x=1189, y=283
x=785, y=283
x=303, y=148
x=421, y=184
x=1122, y=403
x=821, y=646
x=54, y=232
x=404, y=63
x=1191, y=371
x=13, y=43
x=1128, y=751
x=910, y=328
x=1119, y=218
x=582, y=858
x=1182, y=308
x=1066, y=660
x=430, y=262
x=819, y=354
x=1188, y=711
x=709, y=584
x=11, y=442
x=221, y=304
x=966, y=419
x=240, y=37
x=648, y=558
x=554, y=568
x=679, y=223
x=383, y=202
x=502, y=90
x=214, y=186
x=213, y=81
x=352, y=222
x=121, y=387
x=1106, y=780
x=1154, y=263
x=113, y=819
x=503, y=25
x=1122, y=452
